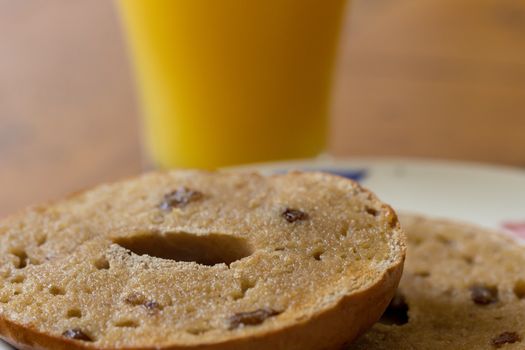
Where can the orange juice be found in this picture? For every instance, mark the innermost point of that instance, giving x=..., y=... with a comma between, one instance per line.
x=225, y=82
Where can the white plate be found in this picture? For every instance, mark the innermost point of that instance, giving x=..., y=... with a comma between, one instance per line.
x=487, y=195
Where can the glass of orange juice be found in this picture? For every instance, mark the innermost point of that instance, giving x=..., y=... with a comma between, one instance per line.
x=225, y=82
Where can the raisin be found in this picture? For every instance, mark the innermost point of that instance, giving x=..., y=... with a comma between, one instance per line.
x=293, y=215
x=251, y=318
x=396, y=312
x=23, y=259
x=505, y=338
x=137, y=299
x=371, y=211
x=394, y=221
x=152, y=306
x=76, y=334
x=179, y=198
x=483, y=295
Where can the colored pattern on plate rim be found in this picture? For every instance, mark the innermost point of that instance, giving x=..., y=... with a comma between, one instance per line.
x=515, y=227
x=352, y=174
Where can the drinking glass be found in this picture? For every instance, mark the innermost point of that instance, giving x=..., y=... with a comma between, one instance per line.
x=225, y=82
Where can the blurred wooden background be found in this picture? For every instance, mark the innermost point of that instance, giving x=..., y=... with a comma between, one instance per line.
x=432, y=78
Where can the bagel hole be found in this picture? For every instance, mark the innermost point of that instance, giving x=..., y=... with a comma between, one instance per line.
x=344, y=229
x=41, y=240
x=126, y=323
x=198, y=330
x=422, y=274
x=135, y=299
x=74, y=313
x=209, y=249
x=102, y=263
x=245, y=284
x=318, y=253
x=394, y=221
x=23, y=259
x=35, y=261
x=443, y=240
x=18, y=279
x=372, y=211
x=54, y=290
x=519, y=289
x=468, y=259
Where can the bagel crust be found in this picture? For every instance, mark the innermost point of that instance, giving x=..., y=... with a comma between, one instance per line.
x=200, y=260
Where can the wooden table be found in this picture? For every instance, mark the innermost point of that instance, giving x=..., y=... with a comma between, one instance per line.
x=433, y=78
